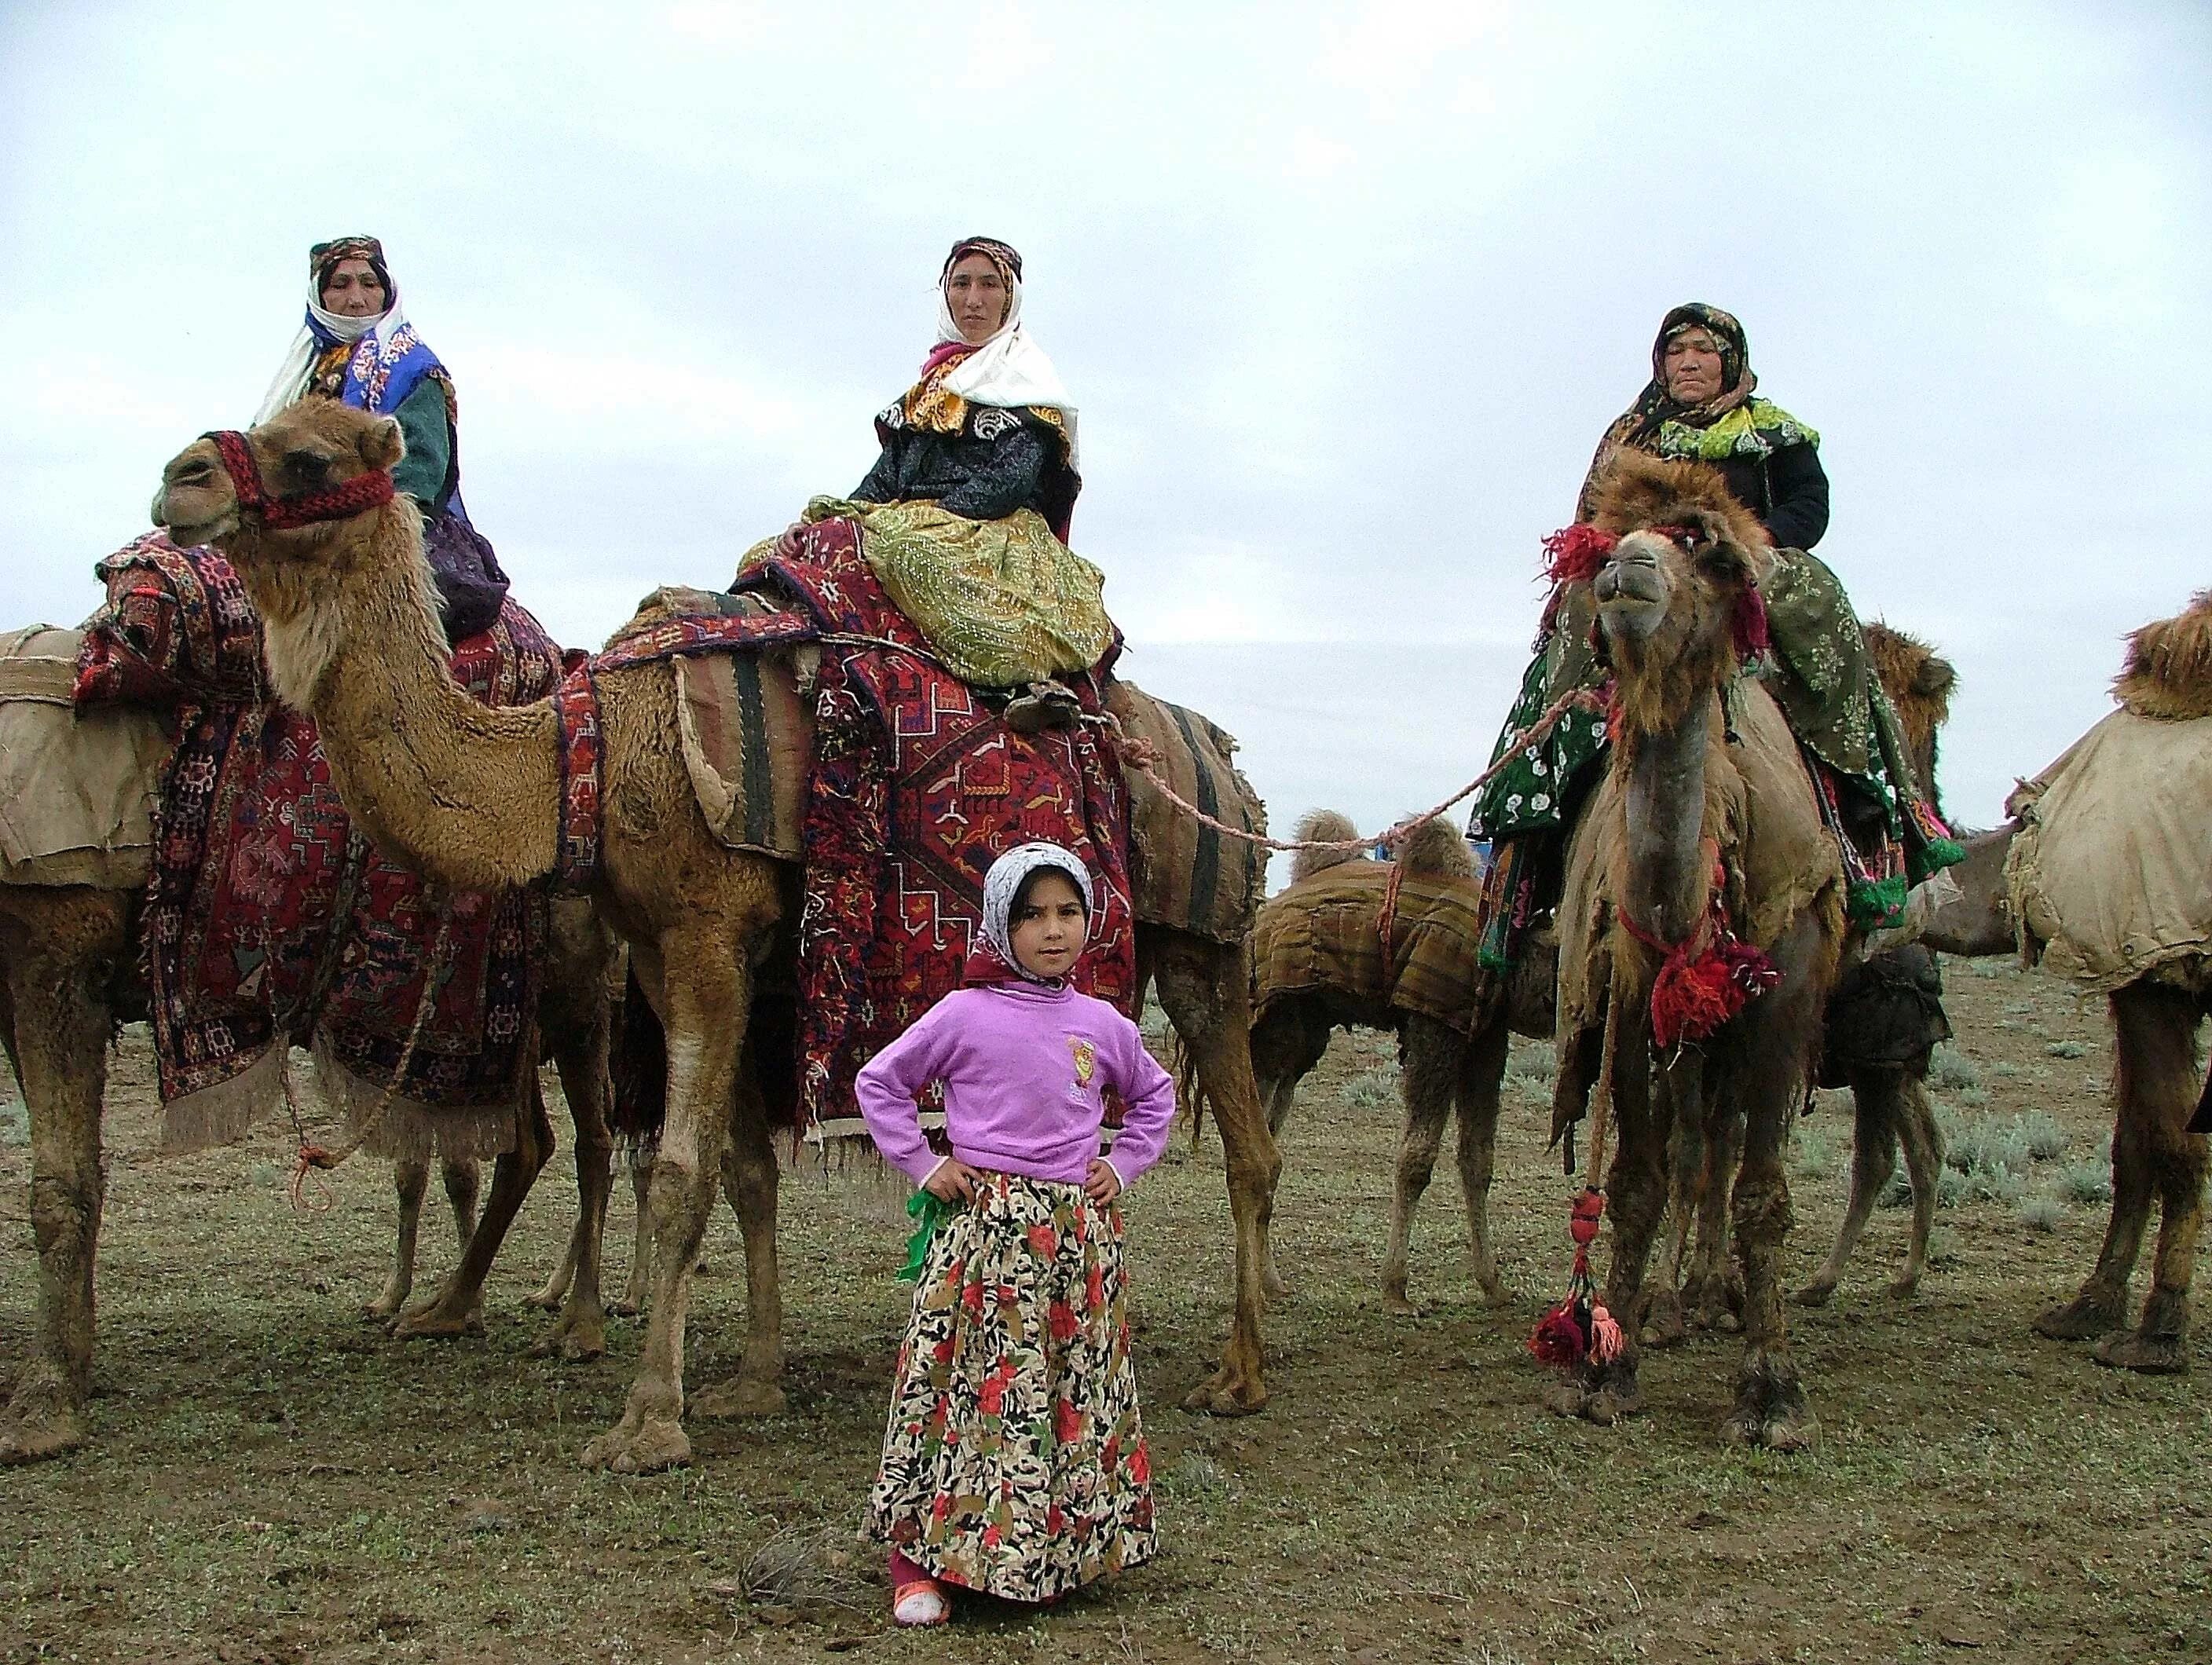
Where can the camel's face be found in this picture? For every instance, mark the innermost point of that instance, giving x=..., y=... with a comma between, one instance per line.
x=1661, y=592
x=313, y=446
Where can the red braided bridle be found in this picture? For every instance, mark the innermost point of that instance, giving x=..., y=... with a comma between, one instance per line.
x=364, y=491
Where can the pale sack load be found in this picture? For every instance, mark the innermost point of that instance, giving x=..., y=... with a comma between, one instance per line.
x=77, y=789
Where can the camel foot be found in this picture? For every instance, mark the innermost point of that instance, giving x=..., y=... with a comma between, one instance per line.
x=741, y=1395
x=640, y=1445
x=1227, y=1392
x=385, y=1307
x=1601, y=1393
x=1904, y=1284
x=548, y=1299
x=1816, y=1293
x=437, y=1321
x=2164, y=1353
x=1273, y=1287
x=2086, y=1316
x=1395, y=1301
x=1663, y=1323
x=1498, y=1294
x=1715, y=1304
x=573, y=1340
x=43, y=1420
x=1771, y=1412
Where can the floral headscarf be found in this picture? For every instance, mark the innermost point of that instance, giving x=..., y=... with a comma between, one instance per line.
x=992, y=960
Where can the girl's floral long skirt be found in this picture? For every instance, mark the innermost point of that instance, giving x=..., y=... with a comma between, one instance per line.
x=1014, y=1462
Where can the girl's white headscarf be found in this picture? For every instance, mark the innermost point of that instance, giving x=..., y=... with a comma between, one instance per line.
x=322, y=330
x=1000, y=885
x=1009, y=370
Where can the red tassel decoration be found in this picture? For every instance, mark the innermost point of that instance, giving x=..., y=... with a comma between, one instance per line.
x=1573, y=554
x=1748, y=625
x=1558, y=1338
x=1570, y=1332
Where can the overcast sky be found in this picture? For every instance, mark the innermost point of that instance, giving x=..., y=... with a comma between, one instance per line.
x=1345, y=295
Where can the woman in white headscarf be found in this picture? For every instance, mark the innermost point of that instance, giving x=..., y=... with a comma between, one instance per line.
x=965, y=517
x=356, y=346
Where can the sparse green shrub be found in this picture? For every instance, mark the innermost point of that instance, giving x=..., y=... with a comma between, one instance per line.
x=1812, y=1155
x=2042, y=1213
x=2046, y=1139
x=2088, y=1181
x=1949, y=1069
x=1950, y=1189
x=1899, y=1192
x=1974, y=1097
x=1996, y=1185
x=1372, y=1089
x=1943, y=1248
x=2067, y=1049
x=1535, y=1059
x=14, y=1122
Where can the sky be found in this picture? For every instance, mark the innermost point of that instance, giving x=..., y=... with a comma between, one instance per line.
x=1345, y=295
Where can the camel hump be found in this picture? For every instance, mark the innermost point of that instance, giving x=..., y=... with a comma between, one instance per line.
x=2168, y=670
x=1321, y=826
x=1436, y=850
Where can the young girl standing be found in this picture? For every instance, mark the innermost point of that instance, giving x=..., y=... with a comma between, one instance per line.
x=1013, y=1462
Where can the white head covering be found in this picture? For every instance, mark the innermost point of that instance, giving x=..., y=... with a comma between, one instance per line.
x=1005, y=880
x=1009, y=370
x=299, y=365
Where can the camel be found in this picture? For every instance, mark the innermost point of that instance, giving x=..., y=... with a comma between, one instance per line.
x=2100, y=875
x=1705, y=827
x=1461, y=1064
x=469, y=796
x=69, y=978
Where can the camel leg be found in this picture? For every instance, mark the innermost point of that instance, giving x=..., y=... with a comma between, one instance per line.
x=631, y=1303
x=581, y=1053
x=2156, y=1081
x=1482, y=1073
x=1877, y=1114
x=1923, y=1166
x=1766, y=1085
x=749, y=1180
x=1636, y=1198
x=1428, y=1069
x=1202, y=987
x=2101, y=1305
x=1665, y=1323
x=457, y=1307
x=1287, y=1040
x=706, y=990
x=1712, y=1298
x=410, y=1180
x=60, y=955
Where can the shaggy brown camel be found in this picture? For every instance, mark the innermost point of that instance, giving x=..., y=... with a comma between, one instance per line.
x=469, y=796
x=1705, y=822
x=1456, y=1057
x=69, y=978
x=2102, y=877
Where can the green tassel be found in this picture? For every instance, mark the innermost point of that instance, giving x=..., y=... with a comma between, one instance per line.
x=929, y=1212
x=1876, y=902
x=1930, y=858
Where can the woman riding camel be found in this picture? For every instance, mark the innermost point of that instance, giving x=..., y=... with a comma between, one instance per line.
x=358, y=347
x=1701, y=403
x=964, y=516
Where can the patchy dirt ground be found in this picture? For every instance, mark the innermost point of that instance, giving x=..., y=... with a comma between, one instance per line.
x=272, y=1480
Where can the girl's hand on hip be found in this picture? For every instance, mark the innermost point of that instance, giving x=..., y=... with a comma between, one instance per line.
x=1102, y=1183
x=953, y=1180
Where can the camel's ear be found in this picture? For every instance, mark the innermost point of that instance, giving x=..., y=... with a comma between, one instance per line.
x=1934, y=677
x=1721, y=559
x=382, y=445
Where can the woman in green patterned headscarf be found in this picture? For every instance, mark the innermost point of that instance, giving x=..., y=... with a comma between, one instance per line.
x=1701, y=403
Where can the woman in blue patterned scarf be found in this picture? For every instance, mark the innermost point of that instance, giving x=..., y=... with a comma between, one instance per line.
x=358, y=347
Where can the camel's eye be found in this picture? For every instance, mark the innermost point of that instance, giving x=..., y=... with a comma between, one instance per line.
x=304, y=464
x=193, y=472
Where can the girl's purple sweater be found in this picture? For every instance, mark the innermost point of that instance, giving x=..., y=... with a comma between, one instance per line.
x=1023, y=1065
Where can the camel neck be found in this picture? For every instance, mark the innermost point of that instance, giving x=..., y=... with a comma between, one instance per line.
x=1665, y=886
x=465, y=793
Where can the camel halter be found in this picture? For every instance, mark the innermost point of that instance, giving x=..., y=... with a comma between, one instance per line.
x=364, y=491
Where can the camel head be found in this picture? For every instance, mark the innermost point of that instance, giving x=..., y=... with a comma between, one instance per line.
x=297, y=505
x=1677, y=594
x=1920, y=683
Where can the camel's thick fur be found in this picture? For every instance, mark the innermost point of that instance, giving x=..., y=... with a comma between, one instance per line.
x=469, y=796
x=68, y=972
x=1703, y=764
x=2168, y=672
x=1441, y=1068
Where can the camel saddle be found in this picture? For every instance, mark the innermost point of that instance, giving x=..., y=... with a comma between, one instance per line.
x=1324, y=933
x=77, y=787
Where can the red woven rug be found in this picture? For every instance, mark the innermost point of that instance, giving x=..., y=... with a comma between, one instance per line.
x=270, y=920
